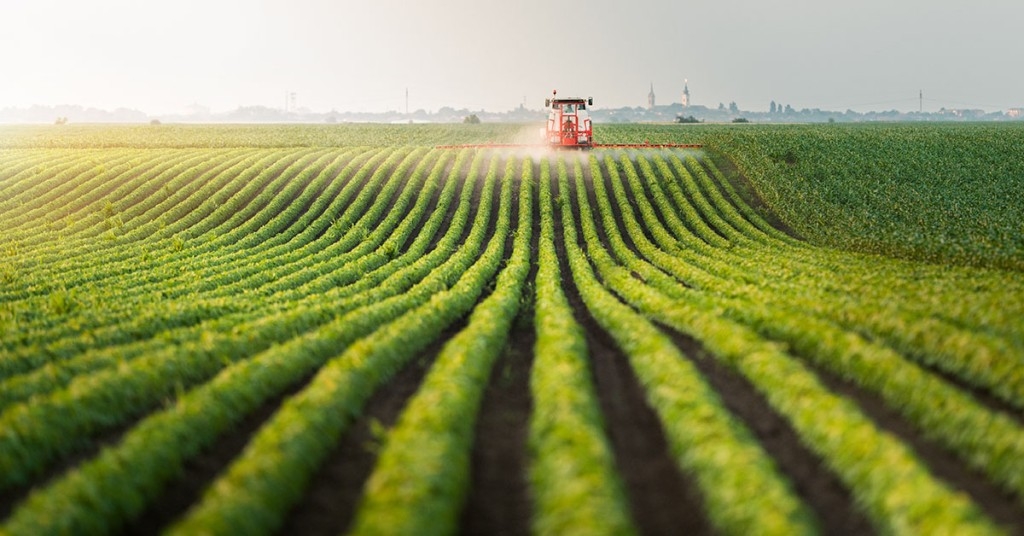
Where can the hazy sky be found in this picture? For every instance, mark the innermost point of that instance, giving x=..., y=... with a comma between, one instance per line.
x=161, y=56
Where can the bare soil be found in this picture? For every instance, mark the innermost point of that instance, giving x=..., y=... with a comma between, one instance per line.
x=498, y=502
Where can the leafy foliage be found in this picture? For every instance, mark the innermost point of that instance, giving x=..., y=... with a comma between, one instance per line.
x=162, y=285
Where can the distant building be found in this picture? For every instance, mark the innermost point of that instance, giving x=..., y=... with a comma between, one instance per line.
x=1015, y=112
x=686, y=93
x=650, y=98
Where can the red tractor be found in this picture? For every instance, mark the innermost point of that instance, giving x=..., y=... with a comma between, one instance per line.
x=569, y=123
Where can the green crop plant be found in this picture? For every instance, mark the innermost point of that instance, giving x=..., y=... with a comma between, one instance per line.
x=237, y=293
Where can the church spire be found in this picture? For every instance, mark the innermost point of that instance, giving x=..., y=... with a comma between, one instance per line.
x=650, y=98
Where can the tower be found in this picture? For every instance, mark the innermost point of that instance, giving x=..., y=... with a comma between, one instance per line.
x=650, y=98
x=686, y=93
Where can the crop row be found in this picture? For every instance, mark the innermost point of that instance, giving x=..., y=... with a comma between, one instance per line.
x=144, y=378
x=826, y=423
x=153, y=300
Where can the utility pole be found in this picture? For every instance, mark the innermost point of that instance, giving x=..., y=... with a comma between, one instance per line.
x=920, y=101
x=407, y=102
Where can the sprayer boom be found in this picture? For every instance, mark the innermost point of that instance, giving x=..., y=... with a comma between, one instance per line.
x=591, y=146
x=569, y=127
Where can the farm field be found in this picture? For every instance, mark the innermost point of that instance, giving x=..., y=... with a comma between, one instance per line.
x=342, y=329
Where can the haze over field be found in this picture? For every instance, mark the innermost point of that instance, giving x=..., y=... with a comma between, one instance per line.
x=362, y=56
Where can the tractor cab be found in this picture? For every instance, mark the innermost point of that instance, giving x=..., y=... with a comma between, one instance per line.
x=568, y=122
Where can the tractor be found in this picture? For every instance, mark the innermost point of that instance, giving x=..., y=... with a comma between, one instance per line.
x=568, y=125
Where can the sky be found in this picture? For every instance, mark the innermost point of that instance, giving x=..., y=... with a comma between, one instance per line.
x=161, y=56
